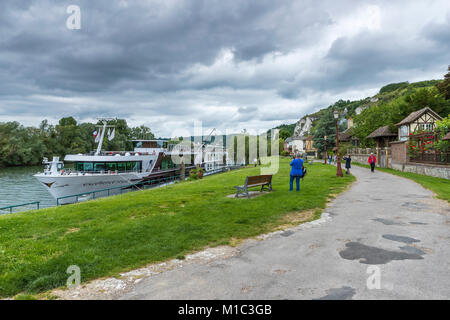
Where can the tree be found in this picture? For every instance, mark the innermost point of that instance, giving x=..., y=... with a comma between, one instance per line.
x=23, y=146
x=444, y=86
x=326, y=126
x=368, y=121
x=428, y=97
x=142, y=133
x=20, y=145
x=284, y=134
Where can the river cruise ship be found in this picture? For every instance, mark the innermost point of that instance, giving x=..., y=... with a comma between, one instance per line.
x=111, y=170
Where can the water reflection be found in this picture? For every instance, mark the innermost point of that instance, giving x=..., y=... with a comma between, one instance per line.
x=17, y=186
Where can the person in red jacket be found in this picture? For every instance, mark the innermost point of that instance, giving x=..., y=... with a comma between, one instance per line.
x=372, y=160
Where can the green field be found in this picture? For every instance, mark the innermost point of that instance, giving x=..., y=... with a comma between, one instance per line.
x=107, y=236
x=440, y=186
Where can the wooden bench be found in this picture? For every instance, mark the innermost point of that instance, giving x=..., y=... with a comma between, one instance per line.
x=265, y=181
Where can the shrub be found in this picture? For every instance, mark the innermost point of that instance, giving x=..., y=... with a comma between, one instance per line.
x=193, y=175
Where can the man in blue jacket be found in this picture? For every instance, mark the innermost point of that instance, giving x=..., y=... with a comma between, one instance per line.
x=296, y=172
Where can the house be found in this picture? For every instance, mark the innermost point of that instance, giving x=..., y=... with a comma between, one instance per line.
x=423, y=119
x=446, y=137
x=360, y=109
x=309, y=146
x=349, y=123
x=348, y=136
x=344, y=136
x=298, y=144
x=383, y=136
x=288, y=145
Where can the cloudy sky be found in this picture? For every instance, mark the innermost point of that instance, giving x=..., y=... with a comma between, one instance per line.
x=234, y=64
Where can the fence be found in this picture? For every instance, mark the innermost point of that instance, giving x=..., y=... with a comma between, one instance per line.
x=119, y=190
x=10, y=208
x=140, y=185
x=432, y=158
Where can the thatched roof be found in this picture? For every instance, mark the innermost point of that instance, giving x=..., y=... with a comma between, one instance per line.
x=344, y=136
x=382, y=132
x=416, y=114
x=446, y=137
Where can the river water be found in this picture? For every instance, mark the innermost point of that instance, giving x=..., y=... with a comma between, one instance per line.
x=17, y=186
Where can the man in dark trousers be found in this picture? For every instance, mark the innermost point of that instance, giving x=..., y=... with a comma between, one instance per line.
x=348, y=163
x=296, y=172
x=372, y=160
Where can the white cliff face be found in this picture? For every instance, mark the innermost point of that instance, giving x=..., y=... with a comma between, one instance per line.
x=303, y=127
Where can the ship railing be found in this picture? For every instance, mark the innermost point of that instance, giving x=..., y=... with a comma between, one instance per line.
x=69, y=172
x=110, y=191
x=10, y=208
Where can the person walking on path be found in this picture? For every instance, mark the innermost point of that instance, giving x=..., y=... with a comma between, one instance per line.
x=329, y=159
x=372, y=160
x=334, y=159
x=348, y=163
x=296, y=172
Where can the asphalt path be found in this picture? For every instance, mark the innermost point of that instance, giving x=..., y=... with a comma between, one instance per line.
x=386, y=237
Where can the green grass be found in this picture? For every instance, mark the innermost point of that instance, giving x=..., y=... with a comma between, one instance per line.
x=440, y=186
x=116, y=234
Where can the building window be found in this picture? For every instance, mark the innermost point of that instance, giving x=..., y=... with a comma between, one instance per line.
x=426, y=126
x=404, y=133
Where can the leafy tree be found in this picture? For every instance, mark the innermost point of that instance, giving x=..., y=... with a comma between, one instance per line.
x=428, y=97
x=19, y=145
x=443, y=127
x=444, y=86
x=23, y=146
x=284, y=134
x=326, y=126
x=368, y=121
x=142, y=132
x=393, y=87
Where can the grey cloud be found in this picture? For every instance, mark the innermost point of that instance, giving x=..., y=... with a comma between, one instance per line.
x=139, y=43
x=136, y=60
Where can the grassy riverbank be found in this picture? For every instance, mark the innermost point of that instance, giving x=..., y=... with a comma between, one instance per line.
x=111, y=235
x=440, y=186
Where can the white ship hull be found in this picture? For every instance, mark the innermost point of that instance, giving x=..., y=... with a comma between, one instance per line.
x=76, y=184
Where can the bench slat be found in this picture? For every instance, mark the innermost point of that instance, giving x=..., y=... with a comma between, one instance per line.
x=255, y=181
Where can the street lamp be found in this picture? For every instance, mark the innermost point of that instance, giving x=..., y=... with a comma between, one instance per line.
x=325, y=150
x=339, y=169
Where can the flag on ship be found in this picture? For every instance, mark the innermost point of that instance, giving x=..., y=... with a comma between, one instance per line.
x=97, y=137
x=112, y=134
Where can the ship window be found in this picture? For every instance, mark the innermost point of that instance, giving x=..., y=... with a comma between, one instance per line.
x=99, y=167
x=136, y=166
x=111, y=166
x=130, y=166
x=79, y=166
x=167, y=163
x=122, y=166
x=88, y=166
